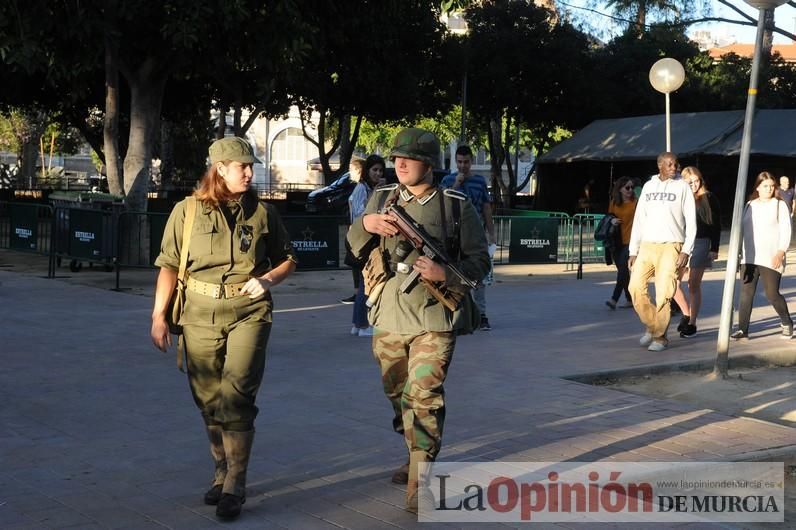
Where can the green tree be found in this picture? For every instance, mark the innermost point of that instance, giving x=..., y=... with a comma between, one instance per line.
x=138, y=48
x=371, y=59
x=512, y=81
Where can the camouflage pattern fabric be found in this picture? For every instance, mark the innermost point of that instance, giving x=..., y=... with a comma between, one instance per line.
x=413, y=370
x=417, y=144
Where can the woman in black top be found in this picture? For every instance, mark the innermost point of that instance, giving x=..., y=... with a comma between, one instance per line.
x=706, y=249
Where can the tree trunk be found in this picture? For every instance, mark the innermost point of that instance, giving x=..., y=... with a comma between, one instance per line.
x=328, y=174
x=348, y=141
x=111, y=123
x=28, y=153
x=146, y=98
x=221, y=126
x=641, y=17
x=166, y=154
x=496, y=156
x=237, y=111
x=27, y=128
x=768, y=38
x=511, y=187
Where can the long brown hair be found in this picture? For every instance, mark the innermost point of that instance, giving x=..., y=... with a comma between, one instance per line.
x=764, y=175
x=616, y=193
x=701, y=197
x=212, y=190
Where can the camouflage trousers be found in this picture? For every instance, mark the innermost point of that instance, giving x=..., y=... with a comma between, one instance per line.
x=413, y=369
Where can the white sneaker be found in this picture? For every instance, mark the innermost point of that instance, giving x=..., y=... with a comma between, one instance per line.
x=645, y=339
x=366, y=332
x=354, y=330
x=656, y=346
x=625, y=304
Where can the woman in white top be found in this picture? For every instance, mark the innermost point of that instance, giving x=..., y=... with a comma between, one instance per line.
x=766, y=237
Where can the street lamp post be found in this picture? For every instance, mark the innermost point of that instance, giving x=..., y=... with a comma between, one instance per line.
x=725, y=320
x=666, y=76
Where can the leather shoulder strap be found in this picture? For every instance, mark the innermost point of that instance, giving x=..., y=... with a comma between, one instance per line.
x=187, y=228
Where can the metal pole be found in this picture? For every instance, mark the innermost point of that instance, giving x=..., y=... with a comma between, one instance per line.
x=463, y=133
x=668, y=126
x=725, y=321
x=517, y=156
x=579, y=274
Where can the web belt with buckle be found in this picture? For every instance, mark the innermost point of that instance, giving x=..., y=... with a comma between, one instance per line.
x=215, y=290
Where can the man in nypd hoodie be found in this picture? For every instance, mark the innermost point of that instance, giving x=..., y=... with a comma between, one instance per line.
x=662, y=239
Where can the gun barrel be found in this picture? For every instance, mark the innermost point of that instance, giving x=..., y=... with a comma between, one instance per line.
x=424, y=243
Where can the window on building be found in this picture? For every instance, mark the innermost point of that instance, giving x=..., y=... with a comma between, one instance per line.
x=291, y=146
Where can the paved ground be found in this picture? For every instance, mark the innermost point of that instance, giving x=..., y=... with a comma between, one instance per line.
x=99, y=430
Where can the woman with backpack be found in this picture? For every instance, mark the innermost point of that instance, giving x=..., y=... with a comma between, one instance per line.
x=623, y=207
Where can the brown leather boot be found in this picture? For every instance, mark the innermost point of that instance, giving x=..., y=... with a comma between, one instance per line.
x=220, y=459
x=401, y=475
x=237, y=446
x=413, y=489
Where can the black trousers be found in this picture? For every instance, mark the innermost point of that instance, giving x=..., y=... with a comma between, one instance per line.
x=620, y=257
x=771, y=280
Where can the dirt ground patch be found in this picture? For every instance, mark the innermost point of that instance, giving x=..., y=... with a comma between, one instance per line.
x=763, y=392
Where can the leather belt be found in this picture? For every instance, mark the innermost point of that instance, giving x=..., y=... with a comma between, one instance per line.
x=215, y=290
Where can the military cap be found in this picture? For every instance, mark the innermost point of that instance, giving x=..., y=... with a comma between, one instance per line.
x=417, y=144
x=232, y=148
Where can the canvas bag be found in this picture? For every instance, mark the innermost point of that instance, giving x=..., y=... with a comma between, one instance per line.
x=177, y=301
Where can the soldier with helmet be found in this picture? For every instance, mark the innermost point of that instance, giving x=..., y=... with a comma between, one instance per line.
x=415, y=334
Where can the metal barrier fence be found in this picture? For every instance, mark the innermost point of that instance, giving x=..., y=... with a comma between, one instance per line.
x=117, y=239
x=26, y=227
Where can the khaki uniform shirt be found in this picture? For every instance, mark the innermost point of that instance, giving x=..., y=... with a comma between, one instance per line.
x=418, y=311
x=257, y=243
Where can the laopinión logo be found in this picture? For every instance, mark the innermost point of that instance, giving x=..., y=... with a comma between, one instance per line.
x=602, y=492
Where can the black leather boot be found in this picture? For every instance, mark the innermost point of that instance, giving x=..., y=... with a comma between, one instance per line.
x=213, y=495
x=237, y=446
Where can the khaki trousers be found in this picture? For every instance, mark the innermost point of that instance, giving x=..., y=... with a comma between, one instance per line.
x=225, y=343
x=656, y=260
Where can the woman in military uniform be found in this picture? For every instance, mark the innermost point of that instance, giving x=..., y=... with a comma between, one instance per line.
x=415, y=333
x=238, y=250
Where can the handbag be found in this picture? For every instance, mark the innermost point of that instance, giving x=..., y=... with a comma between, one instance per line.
x=177, y=301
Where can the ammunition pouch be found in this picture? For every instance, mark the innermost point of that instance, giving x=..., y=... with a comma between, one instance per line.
x=376, y=270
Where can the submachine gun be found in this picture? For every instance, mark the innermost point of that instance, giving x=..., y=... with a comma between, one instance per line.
x=427, y=246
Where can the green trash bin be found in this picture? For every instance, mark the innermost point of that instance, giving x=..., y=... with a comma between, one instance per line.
x=85, y=227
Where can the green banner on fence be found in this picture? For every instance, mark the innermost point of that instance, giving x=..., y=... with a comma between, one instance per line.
x=533, y=240
x=24, y=227
x=86, y=234
x=315, y=240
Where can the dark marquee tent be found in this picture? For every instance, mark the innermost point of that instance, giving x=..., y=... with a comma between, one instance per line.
x=608, y=149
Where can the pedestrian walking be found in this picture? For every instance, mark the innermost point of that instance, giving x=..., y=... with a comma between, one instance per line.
x=623, y=207
x=415, y=333
x=237, y=250
x=372, y=176
x=664, y=228
x=474, y=186
x=706, y=250
x=766, y=238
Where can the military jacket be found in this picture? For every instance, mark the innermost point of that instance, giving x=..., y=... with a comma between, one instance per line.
x=418, y=311
x=257, y=242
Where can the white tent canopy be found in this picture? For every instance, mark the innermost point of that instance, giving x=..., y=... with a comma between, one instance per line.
x=697, y=133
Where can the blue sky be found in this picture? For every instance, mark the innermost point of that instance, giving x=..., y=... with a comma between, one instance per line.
x=785, y=18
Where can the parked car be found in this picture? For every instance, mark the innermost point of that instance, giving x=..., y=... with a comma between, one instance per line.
x=333, y=199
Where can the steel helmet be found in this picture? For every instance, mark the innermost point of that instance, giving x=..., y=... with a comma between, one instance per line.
x=417, y=144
